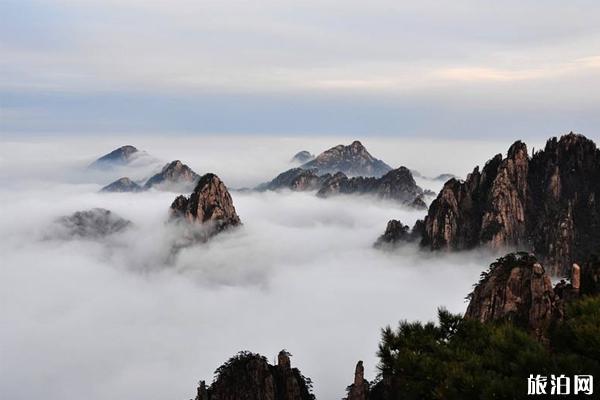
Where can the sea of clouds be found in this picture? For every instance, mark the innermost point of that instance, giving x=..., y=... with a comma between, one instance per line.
x=118, y=318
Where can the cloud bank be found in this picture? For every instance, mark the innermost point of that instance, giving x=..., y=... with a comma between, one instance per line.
x=118, y=318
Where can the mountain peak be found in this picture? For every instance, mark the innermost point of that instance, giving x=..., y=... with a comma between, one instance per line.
x=210, y=204
x=120, y=156
x=353, y=160
x=175, y=174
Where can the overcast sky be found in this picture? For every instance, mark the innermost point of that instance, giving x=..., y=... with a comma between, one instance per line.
x=429, y=68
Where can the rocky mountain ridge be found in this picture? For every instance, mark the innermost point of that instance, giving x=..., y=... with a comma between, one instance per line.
x=121, y=156
x=174, y=176
x=397, y=185
x=546, y=204
x=352, y=160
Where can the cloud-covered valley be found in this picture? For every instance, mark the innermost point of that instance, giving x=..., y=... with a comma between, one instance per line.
x=120, y=318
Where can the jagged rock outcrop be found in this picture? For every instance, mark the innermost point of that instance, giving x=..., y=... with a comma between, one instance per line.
x=516, y=288
x=296, y=179
x=89, y=224
x=210, y=206
x=359, y=390
x=545, y=204
x=121, y=156
x=302, y=157
x=396, y=233
x=122, y=185
x=174, y=176
x=397, y=184
x=248, y=376
x=352, y=160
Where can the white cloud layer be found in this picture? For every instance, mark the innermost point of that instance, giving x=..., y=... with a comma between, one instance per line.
x=114, y=319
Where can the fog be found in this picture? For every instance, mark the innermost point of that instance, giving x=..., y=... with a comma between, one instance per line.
x=117, y=319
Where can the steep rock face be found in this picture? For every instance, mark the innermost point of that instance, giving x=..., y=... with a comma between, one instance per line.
x=545, y=204
x=397, y=184
x=120, y=156
x=210, y=205
x=302, y=157
x=89, y=224
x=517, y=289
x=249, y=376
x=122, y=185
x=359, y=390
x=352, y=160
x=174, y=175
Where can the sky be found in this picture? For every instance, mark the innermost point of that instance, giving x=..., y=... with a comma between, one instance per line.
x=439, y=69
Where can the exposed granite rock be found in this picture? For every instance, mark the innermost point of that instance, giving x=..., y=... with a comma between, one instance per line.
x=209, y=206
x=359, y=390
x=352, y=160
x=248, y=376
x=296, y=179
x=117, y=157
x=396, y=185
x=517, y=289
x=302, y=157
x=174, y=176
x=89, y=224
x=545, y=204
x=122, y=185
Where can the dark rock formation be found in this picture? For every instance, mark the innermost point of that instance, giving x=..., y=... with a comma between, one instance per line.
x=395, y=232
x=122, y=185
x=90, y=224
x=120, y=156
x=174, y=176
x=296, y=179
x=397, y=184
x=359, y=390
x=545, y=204
x=209, y=206
x=352, y=160
x=302, y=157
x=248, y=376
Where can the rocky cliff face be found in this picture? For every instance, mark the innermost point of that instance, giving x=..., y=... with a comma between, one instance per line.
x=210, y=206
x=516, y=288
x=174, y=176
x=359, y=390
x=397, y=184
x=352, y=160
x=122, y=185
x=249, y=376
x=120, y=156
x=545, y=203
